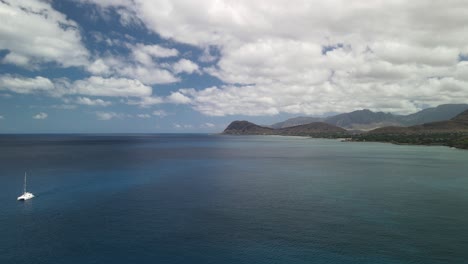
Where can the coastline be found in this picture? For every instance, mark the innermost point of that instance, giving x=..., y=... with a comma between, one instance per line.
x=355, y=139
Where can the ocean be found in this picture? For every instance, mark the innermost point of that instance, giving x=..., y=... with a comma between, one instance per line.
x=196, y=198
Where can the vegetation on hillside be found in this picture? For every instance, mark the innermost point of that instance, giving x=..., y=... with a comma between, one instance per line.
x=458, y=140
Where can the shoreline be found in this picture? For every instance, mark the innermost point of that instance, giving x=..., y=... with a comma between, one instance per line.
x=405, y=144
x=351, y=139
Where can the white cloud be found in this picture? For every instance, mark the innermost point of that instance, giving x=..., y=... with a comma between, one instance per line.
x=178, y=98
x=144, y=116
x=147, y=75
x=146, y=101
x=341, y=96
x=186, y=66
x=272, y=61
x=382, y=55
x=404, y=53
x=174, y=98
x=182, y=126
x=207, y=125
x=64, y=106
x=118, y=87
x=309, y=57
x=141, y=64
x=221, y=22
x=91, y=102
x=145, y=54
x=108, y=115
x=207, y=56
x=232, y=100
x=40, y=116
x=23, y=85
x=92, y=86
x=1, y=117
x=160, y=113
x=143, y=69
x=34, y=33
x=128, y=17
x=100, y=67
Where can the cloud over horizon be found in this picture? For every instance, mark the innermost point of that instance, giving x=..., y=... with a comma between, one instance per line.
x=41, y=116
x=33, y=32
x=242, y=58
x=308, y=56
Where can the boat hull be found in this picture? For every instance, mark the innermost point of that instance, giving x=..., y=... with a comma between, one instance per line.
x=25, y=196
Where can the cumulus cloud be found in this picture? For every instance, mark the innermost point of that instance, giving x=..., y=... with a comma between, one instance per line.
x=147, y=75
x=64, y=106
x=104, y=116
x=186, y=66
x=207, y=56
x=182, y=126
x=145, y=54
x=207, y=125
x=121, y=87
x=92, y=86
x=34, y=33
x=143, y=116
x=160, y=113
x=40, y=116
x=128, y=17
x=140, y=67
x=92, y=102
x=313, y=57
x=23, y=85
x=273, y=61
x=141, y=64
x=146, y=101
x=178, y=98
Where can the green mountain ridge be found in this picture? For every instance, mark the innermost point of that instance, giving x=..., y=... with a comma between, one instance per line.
x=457, y=124
x=366, y=120
x=452, y=132
x=316, y=129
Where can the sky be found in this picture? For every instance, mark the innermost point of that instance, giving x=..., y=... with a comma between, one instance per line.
x=173, y=66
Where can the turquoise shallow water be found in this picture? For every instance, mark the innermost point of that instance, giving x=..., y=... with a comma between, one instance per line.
x=227, y=199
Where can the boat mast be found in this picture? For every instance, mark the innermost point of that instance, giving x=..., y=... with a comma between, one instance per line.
x=24, y=182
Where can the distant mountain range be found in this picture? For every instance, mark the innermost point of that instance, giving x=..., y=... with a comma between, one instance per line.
x=458, y=124
x=317, y=129
x=366, y=120
x=453, y=131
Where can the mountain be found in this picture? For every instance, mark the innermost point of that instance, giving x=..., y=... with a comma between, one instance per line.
x=366, y=120
x=247, y=128
x=462, y=117
x=453, y=133
x=318, y=129
x=312, y=129
x=458, y=124
x=433, y=114
x=362, y=119
x=296, y=121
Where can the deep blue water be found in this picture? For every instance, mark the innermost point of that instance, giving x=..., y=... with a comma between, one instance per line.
x=226, y=199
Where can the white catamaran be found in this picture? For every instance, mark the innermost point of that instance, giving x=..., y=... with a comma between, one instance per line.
x=26, y=195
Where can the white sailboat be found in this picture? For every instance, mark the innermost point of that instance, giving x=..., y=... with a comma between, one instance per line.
x=26, y=195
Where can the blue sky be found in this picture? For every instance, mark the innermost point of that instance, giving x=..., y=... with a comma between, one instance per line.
x=85, y=66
